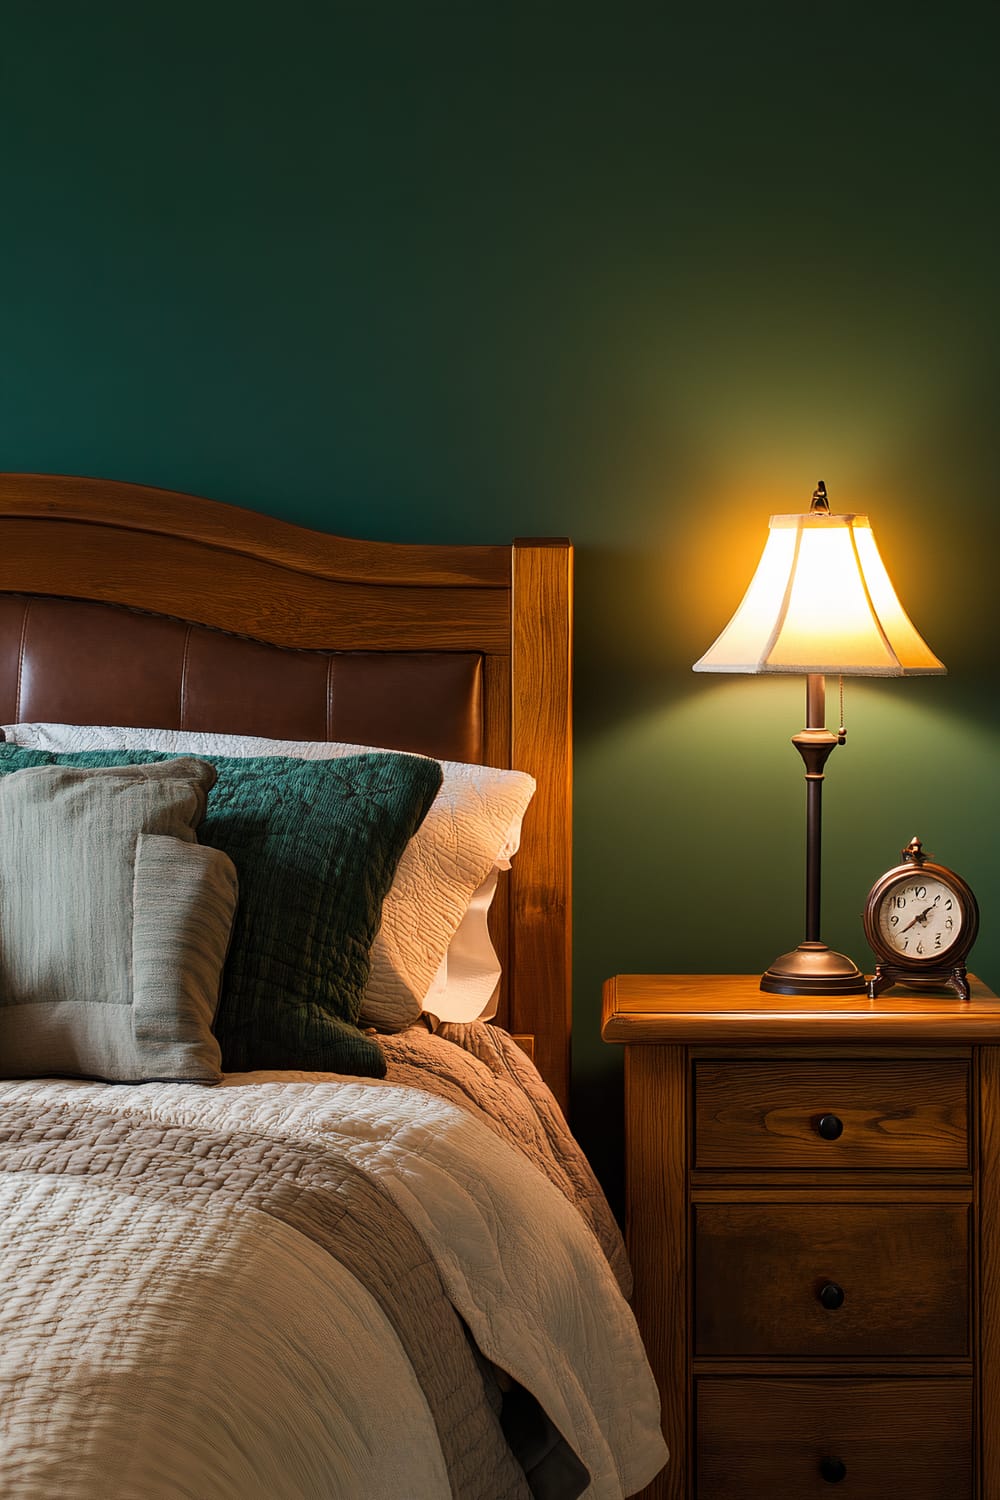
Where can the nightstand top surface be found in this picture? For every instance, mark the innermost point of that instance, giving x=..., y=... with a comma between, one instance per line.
x=699, y=1008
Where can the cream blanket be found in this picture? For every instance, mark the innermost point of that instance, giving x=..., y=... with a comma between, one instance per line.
x=179, y=1319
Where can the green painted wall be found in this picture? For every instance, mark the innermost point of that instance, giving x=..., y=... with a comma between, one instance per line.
x=638, y=274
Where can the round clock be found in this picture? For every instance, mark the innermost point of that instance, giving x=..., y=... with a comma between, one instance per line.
x=921, y=921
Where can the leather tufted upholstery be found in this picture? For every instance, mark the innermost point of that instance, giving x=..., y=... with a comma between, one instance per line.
x=72, y=662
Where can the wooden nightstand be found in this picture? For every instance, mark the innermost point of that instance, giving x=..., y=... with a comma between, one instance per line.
x=814, y=1225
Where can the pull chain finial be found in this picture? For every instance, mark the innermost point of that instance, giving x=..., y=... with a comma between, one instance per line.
x=819, y=501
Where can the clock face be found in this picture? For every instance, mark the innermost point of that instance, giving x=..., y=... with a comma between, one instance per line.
x=920, y=918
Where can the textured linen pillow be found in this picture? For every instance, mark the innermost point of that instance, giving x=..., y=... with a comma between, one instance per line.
x=316, y=845
x=114, y=923
x=433, y=950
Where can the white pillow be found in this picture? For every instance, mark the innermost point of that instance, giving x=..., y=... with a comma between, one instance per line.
x=433, y=951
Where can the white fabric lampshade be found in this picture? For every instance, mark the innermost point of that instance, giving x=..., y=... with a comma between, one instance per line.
x=821, y=602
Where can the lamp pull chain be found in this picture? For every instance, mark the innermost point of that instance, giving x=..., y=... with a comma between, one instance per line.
x=842, y=731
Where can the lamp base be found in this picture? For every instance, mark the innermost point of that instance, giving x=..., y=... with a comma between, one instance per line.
x=813, y=969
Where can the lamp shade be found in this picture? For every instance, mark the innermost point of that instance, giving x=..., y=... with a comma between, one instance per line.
x=821, y=602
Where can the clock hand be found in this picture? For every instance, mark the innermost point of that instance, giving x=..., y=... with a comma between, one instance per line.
x=921, y=917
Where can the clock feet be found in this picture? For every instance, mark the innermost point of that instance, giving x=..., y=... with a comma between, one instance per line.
x=886, y=975
x=880, y=981
x=813, y=969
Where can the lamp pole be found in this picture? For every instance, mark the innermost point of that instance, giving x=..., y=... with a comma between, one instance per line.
x=815, y=745
x=812, y=967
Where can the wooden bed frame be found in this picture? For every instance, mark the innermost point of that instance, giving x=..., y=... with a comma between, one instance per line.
x=234, y=570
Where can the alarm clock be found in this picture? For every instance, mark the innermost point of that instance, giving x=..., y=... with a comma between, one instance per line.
x=921, y=921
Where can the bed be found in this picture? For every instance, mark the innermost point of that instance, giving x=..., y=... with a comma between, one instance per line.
x=336, y=1241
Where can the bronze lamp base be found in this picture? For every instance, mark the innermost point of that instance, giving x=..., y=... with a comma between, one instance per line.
x=813, y=969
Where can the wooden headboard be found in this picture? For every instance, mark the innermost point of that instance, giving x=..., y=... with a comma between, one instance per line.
x=494, y=621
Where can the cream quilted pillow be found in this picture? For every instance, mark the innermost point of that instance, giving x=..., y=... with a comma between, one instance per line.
x=440, y=897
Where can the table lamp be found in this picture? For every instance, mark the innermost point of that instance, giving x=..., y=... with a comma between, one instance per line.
x=820, y=603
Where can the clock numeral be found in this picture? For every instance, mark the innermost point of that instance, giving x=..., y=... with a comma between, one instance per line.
x=947, y=904
x=937, y=940
x=894, y=920
x=949, y=924
x=920, y=891
x=920, y=947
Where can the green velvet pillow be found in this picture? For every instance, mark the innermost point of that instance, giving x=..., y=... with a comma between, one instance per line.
x=315, y=845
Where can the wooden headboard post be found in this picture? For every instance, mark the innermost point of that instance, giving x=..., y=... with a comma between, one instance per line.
x=156, y=553
x=541, y=741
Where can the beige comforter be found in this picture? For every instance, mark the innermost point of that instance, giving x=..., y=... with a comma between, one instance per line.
x=267, y=1289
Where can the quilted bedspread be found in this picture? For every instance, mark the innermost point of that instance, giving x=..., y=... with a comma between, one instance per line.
x=297, y=1286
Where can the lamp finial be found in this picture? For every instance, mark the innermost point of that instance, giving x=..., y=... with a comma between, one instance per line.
x=819, y=500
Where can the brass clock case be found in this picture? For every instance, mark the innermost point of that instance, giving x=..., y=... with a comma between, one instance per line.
x=944, y=965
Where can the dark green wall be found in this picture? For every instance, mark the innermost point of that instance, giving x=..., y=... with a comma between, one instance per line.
x=638, y=274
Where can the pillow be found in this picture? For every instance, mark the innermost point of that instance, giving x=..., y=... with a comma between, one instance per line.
x=114, y=923
x=433, y=950
x=316, y=845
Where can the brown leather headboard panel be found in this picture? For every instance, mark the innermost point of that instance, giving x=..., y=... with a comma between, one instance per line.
x=72, y=662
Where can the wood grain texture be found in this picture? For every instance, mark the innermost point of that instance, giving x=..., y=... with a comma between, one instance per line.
x=899, y=1439
x=252, y=575
x=541, y=742
x=893, y=1113
x=246, y=594
x=903, y=1271
x=496, y=752
x=989, y=1271
x=140, y=508
x=656, y=1226
x=872, y=1187
x=724, y=1009
x=884, y=1368
x=905, y=1374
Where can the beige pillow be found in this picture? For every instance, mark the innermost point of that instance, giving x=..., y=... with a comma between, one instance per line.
x=114, y=923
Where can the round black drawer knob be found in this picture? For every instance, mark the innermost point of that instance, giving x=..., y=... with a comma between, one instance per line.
x=833, y=1470
x=831, y=1295
x=830, y=1127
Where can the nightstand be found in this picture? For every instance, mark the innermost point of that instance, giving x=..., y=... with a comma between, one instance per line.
x=813, y=1191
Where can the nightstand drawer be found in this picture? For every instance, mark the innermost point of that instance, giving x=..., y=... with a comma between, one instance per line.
x=816, y=1281
x=799, y=1439
x=771, y=1113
